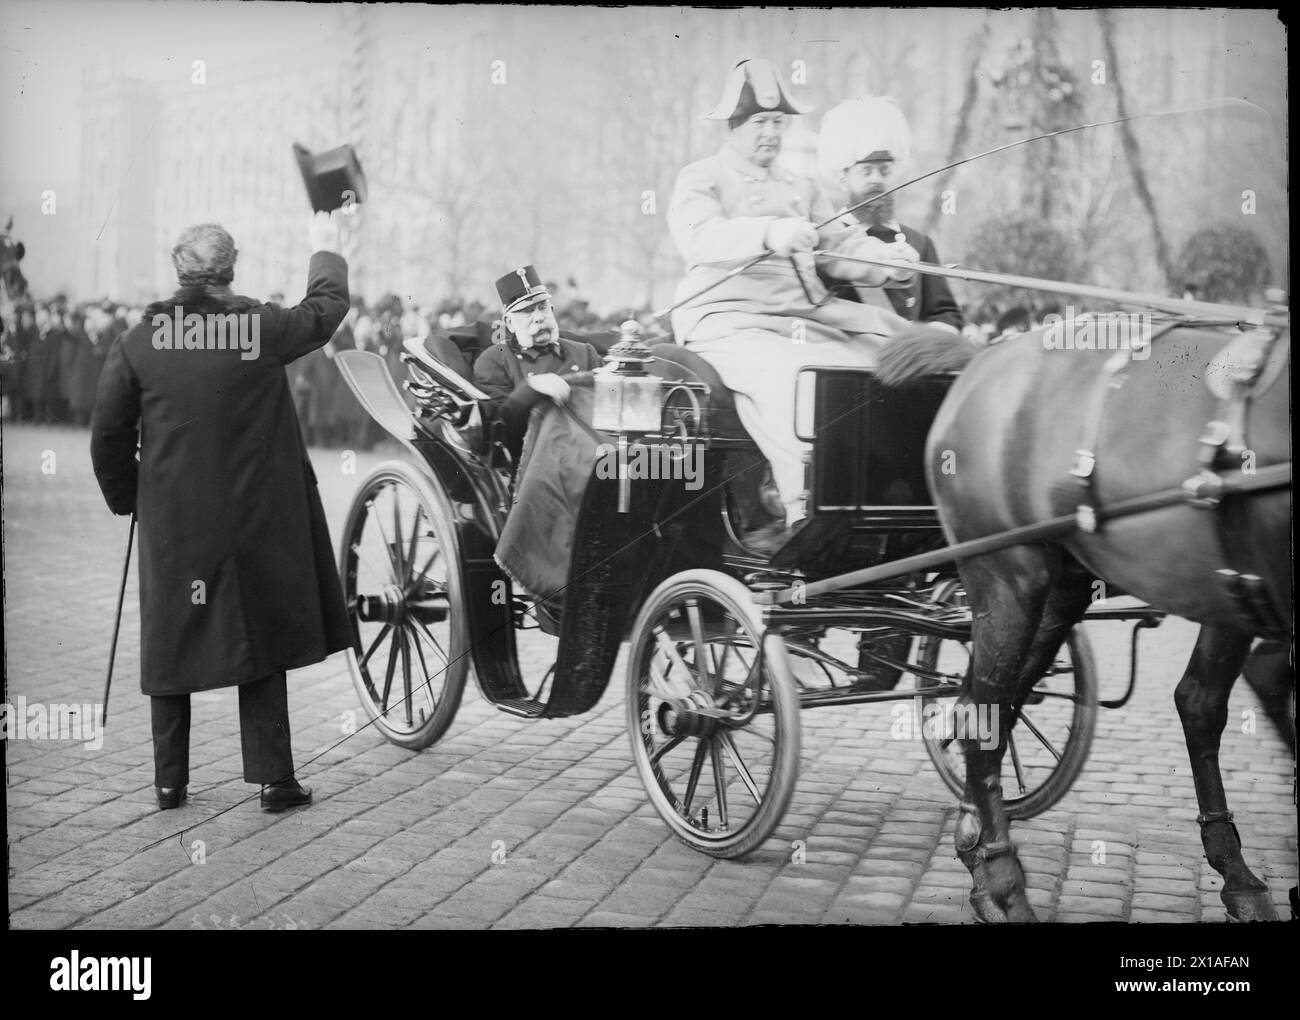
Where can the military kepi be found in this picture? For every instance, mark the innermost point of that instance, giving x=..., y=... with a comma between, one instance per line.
x=754, y=86
x=333, y=178
x=520, y=287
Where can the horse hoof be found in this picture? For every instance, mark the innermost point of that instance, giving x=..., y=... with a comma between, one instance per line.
x=1248, y=905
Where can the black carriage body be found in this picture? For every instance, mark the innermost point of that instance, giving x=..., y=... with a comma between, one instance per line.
x=868, y=457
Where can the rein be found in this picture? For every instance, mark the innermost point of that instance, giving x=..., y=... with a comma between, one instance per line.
x=1207, y=488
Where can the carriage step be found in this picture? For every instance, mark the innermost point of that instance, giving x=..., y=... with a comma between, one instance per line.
x=527, y=708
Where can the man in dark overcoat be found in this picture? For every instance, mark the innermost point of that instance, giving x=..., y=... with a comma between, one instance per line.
x=237, y=575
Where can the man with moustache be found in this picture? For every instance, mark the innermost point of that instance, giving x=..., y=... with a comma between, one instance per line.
x=759, y=328
x=862, y=145
x=533, y=359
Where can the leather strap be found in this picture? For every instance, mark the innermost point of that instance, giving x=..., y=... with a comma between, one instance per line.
x=1085, y=457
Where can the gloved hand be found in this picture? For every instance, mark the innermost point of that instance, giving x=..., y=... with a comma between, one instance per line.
x=900, y=251
x=789, y=235
x=551, y=385
x=323, y=232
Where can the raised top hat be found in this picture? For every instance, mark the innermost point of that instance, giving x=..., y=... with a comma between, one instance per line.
x=860, y=131
x=333, y=179
x=519, y=288
x=754, y=86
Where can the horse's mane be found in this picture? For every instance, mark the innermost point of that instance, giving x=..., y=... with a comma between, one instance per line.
x=920, y=352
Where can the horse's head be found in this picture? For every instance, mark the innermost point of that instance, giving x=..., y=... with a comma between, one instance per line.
x=11, y=253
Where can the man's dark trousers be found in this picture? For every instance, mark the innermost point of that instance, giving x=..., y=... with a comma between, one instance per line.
x=263, y=732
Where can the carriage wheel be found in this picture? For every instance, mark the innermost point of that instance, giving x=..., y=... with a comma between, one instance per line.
x=712, y=713
x=401, y=585
x=1049, y=742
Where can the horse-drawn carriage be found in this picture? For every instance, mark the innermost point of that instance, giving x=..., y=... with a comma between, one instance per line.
x=725, y=646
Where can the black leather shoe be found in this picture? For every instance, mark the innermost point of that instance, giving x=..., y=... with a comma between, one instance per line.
x=280, y=796
x=170, y=796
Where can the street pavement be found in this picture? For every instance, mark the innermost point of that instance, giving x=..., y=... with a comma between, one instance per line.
x=512, y=823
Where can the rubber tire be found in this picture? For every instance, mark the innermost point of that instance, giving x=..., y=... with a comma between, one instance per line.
x=438, y=510
x=1073, y=757
x=738, y=600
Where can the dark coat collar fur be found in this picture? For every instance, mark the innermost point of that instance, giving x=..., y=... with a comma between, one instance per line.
x=203, y=300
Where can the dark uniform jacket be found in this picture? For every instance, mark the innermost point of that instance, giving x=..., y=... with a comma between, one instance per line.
x=927, y=299
x=237, y=575
x=502, y=372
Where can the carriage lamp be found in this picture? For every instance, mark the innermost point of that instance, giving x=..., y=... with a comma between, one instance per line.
x=628, y=400
x=627, y=396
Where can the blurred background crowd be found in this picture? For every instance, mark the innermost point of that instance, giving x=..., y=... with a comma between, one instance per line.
x=52, y=352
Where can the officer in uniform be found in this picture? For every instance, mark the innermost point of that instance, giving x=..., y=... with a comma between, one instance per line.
x=531, y=360
x=759, y=328
x=862, y=144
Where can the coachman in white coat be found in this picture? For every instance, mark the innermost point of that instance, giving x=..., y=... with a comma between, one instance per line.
x=761, y=327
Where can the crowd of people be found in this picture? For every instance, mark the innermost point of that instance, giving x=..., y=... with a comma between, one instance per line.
x=52, y=356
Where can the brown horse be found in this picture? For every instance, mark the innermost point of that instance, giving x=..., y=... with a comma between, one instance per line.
x=1019, y=418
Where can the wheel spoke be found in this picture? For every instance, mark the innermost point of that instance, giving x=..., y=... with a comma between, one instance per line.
x=389, y=548
x=1015, y=763
x=754, y=671
x=398, y=556
x=375, y=644
x=697, y=766
x=415, y=538
x=1062, y=695
x=424, y=571
x=424, y=667
x=1041, y=738
x=729, y=745
x=388, y=677
x=406, y=674
x=666, y=747
x=669, y=648
x=720, y=667
x=384, y=579
x=719, y=782
x=446, y=661
x=706, y=682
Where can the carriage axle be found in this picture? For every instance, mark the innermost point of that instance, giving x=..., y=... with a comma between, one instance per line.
x=393, y=606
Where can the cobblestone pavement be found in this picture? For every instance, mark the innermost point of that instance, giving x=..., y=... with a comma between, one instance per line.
x=511, y=823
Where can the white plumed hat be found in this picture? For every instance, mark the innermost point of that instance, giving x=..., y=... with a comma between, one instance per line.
x=859, y=129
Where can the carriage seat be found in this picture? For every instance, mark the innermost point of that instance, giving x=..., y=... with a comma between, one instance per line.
x=675, y=363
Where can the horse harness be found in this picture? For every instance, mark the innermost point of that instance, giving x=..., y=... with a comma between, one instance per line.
x=1241, y=372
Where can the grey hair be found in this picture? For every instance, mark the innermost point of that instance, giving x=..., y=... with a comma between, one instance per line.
x=205, y=256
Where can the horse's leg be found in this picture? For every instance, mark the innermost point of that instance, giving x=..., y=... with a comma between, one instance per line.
x=1202, y=700
x=1066, y=604
x=1006, y=591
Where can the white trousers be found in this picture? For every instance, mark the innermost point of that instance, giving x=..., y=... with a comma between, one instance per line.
x=761, y=367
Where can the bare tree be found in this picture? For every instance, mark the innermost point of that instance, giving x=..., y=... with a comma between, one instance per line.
x=1131, y=148
x=965, y=118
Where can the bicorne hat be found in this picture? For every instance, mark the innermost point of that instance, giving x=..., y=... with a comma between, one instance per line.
x=519, y=288
x=333, y=179
x=754, y=86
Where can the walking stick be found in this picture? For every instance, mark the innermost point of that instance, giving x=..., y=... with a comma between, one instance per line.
x=117, y=620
